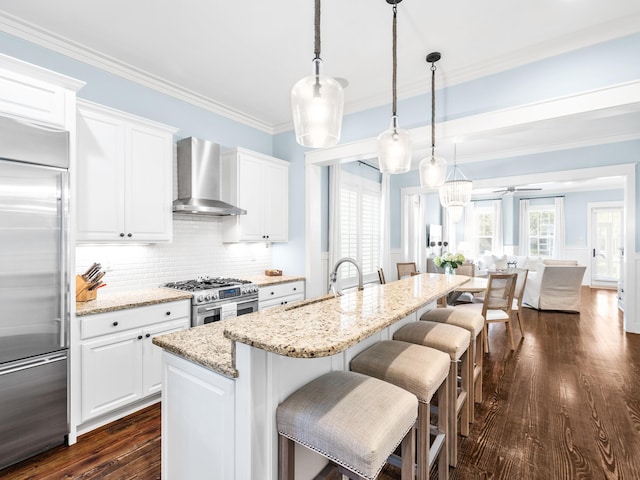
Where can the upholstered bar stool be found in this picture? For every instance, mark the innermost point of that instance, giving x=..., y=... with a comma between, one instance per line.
x=422, y=371
x=473, y=322
x=453, y=341
x=354, y=420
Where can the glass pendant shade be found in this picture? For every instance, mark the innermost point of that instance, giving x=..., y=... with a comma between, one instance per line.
x=433, y=171
x=317, y=104
x=394, y=149
x=455, y=213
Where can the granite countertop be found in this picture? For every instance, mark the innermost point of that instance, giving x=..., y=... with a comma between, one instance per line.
x=310, y=328
x=265, y=281
x=323, y=327
x=109, y=302
x=205, y=345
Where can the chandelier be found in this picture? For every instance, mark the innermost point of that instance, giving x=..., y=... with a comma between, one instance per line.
x=455, y=192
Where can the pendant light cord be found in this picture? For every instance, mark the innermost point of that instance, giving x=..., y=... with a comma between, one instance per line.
x=395, y=57
x=433, y=110
x=316, y=44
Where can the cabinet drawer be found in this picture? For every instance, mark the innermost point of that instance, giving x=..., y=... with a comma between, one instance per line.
x=280, y=290
x=121, y=320
x=280, y=301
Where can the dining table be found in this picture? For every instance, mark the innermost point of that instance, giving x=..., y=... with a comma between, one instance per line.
x=474, y=285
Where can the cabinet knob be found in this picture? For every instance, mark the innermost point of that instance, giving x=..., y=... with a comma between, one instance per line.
x=294, y=289
x=129, y=235
x=272, y=293
x=139, y=337
x=115, y=324
x=168, y=313
x=148, y=335
x=122, y=235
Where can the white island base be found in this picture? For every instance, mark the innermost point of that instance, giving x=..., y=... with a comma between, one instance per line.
x=220, y=428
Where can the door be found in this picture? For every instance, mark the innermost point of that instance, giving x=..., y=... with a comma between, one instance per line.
x=32, y=260
x=606, y=224
x=251, y=185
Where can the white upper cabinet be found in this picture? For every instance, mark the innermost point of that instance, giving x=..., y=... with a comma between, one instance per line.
x=124, y=177
x=258, y=184
x=34, y=93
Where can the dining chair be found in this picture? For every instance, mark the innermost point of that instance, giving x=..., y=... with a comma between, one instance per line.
x=405, y=269
x=497, y=305
x=521, y=283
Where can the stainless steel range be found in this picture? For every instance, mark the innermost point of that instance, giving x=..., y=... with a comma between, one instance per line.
x=216, y=298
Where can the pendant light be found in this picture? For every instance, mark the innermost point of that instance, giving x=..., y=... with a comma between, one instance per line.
x=455, y=193
x=394, y=144
x=317, y=102
x=433, y=169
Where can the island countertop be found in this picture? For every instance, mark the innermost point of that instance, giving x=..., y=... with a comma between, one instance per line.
x=326, y=326
x=310, y=328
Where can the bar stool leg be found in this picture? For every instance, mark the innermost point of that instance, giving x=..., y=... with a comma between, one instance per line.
x=286, y=458
x=408, y=452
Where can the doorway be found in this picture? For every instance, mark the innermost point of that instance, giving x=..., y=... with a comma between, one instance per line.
x=606, y=236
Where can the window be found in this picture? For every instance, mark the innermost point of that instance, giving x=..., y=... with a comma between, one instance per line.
x=484, y=229
x=359, y=227
x=541, y=230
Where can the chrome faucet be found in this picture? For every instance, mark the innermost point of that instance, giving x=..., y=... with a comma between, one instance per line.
x=333, y=276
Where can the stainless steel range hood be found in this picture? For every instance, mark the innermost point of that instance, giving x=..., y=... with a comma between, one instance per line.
x=199, y=179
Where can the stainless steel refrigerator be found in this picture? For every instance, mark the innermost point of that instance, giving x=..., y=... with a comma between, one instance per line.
x=34, y=289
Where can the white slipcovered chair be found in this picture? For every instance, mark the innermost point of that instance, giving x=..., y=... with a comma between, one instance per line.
x=555, y=285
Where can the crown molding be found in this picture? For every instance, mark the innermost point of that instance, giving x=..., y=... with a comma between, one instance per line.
x=47, y=39
x=549, y=48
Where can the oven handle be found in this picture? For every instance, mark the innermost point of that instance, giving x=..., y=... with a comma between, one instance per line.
x=208, y=309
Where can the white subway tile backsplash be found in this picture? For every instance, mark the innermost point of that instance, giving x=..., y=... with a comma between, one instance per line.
x=196, y=249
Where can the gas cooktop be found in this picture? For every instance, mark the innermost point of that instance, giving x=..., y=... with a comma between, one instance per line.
x=205, y=283
x=216, y=289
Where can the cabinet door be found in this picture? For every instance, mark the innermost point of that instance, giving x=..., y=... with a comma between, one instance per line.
x=250, y=187
x=152, y=354
x=111, y=373
x=148, y=184
x=27, y=97
x=276, y=201
x=100, y=177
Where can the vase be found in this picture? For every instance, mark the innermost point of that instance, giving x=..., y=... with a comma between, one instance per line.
x=449, y=270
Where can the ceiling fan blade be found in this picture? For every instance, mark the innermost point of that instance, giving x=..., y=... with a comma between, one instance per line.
x=528, y=189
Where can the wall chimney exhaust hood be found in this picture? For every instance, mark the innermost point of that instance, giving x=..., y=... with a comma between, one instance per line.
x=199, y=179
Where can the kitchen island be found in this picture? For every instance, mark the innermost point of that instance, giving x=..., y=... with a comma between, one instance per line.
x=224, y=381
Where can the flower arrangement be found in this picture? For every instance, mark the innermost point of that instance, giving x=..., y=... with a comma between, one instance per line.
x=449, y=261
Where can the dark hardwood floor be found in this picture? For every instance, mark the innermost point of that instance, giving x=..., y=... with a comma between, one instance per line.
x=564, y=405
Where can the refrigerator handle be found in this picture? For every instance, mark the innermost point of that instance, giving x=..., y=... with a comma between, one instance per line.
x=64, y=259
x=18, y=367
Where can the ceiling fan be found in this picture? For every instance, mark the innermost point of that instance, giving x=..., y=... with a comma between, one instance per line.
x=516, y=189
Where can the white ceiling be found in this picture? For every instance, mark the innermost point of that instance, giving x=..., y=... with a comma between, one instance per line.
x=240, y=58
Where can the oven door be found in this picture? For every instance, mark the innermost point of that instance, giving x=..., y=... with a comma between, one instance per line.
x=214, y=312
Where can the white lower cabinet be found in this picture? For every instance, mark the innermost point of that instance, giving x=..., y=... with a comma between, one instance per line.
x=198, y=422
x=119, y=363
x=280, y=294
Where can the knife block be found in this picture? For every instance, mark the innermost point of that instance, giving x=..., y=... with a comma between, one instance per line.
x=82, y=294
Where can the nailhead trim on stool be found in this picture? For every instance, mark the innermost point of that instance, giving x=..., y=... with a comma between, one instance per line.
x=453, y=341
x=354, y=420
x=473, y=322
x=422, y=371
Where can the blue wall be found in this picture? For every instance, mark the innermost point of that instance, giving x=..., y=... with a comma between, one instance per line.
x=549, y=78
